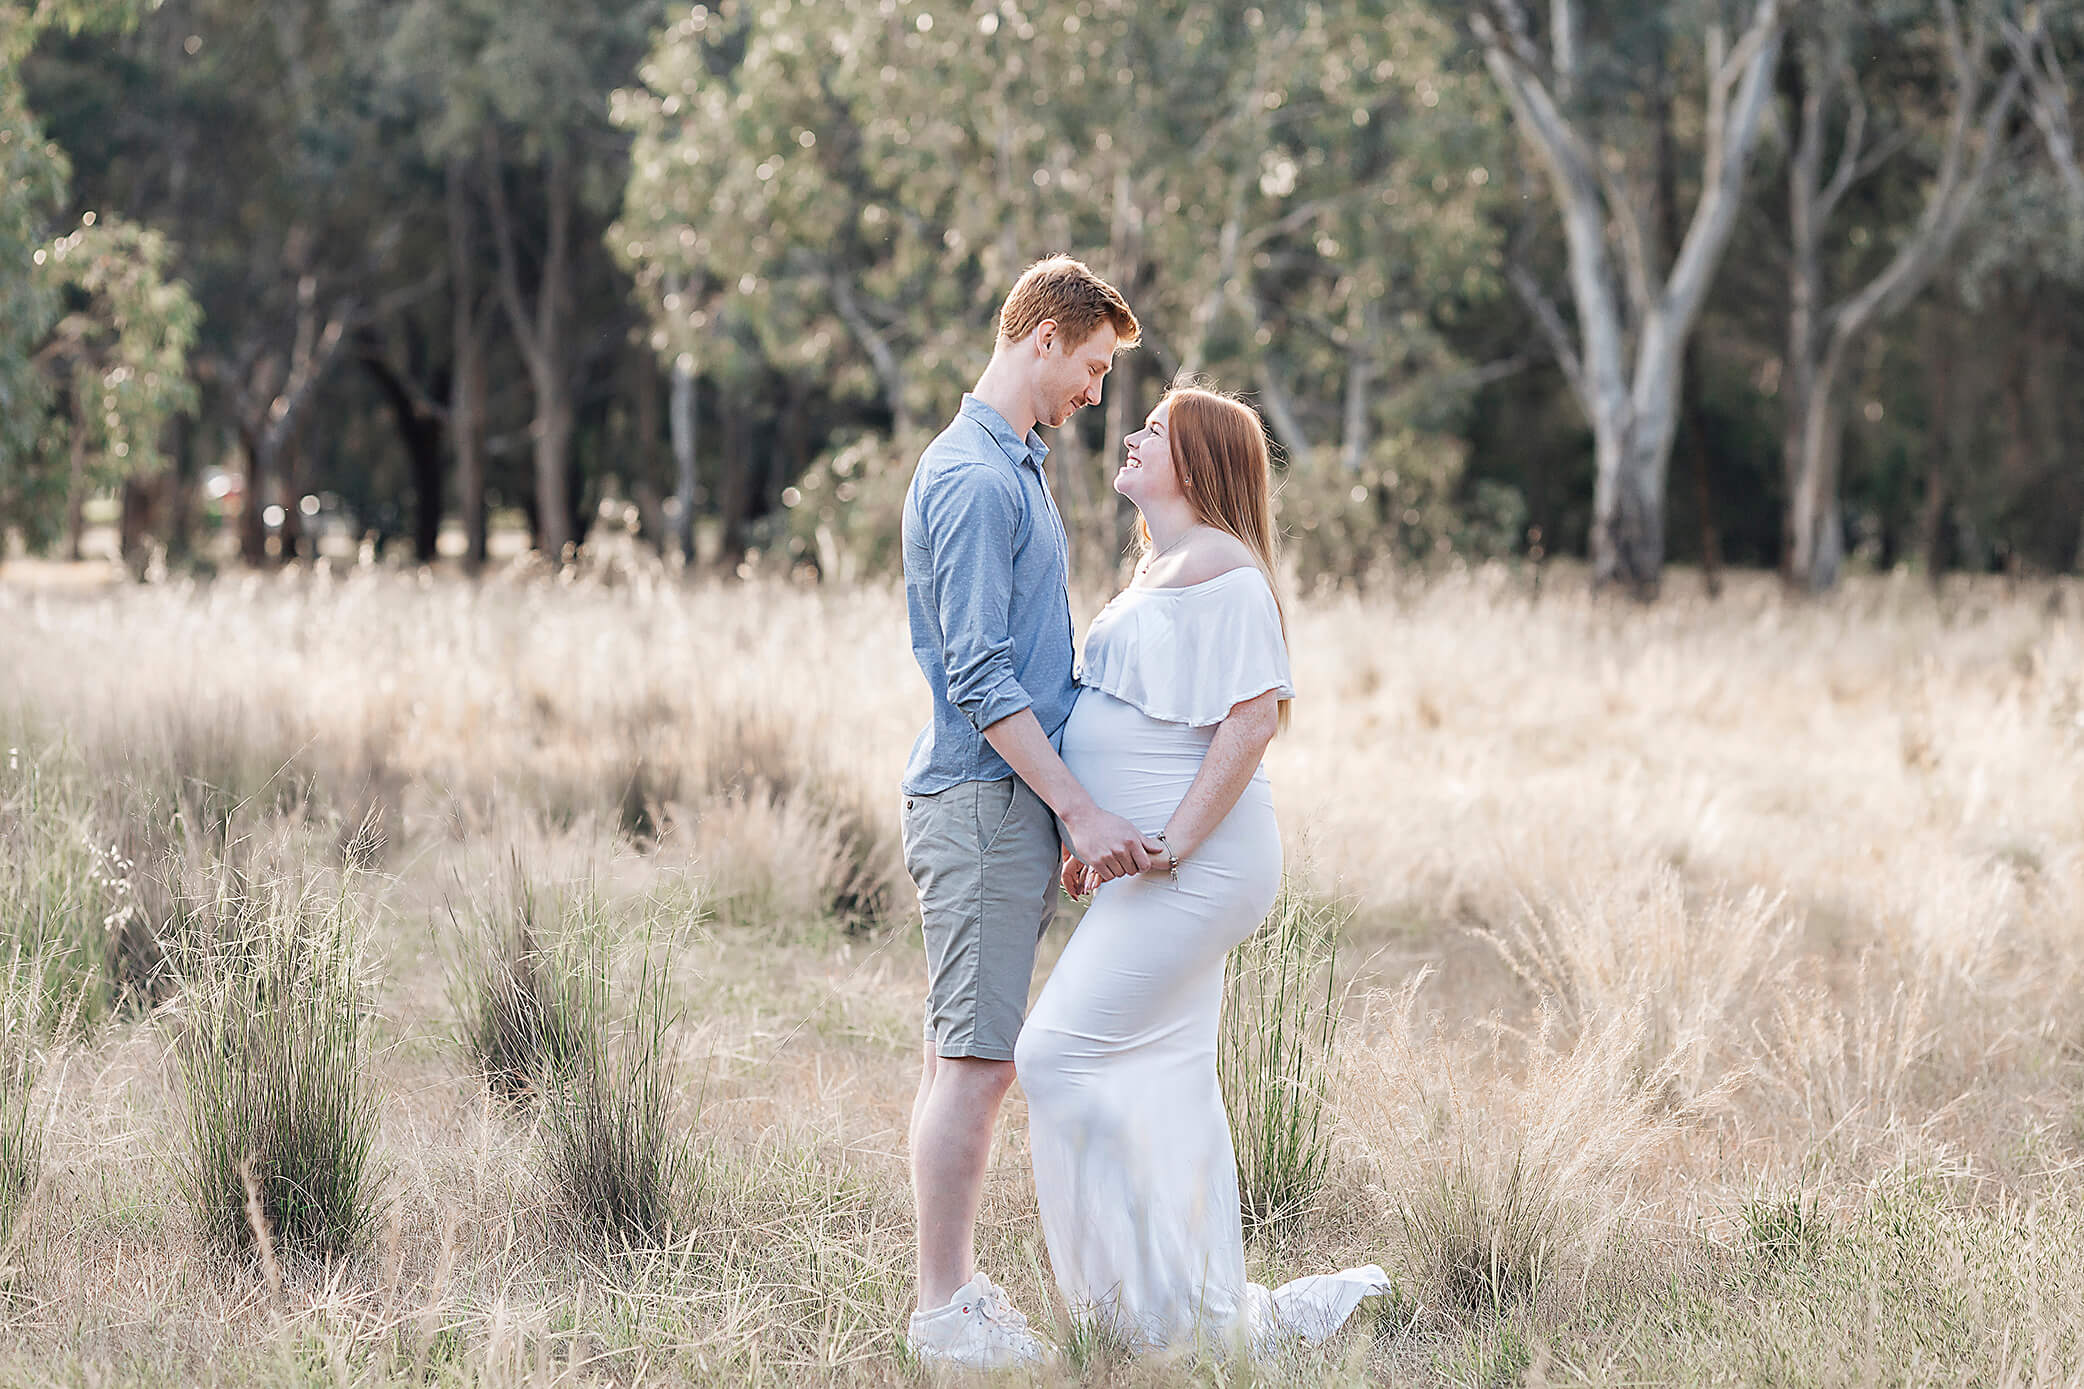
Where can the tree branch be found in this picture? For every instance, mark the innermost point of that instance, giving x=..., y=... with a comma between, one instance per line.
x=1722, y=175
x=1849, y=163
x=2048, y=87
x=503, y=243
x=1550, y=321
x=1456, y=382
x=1953, y=194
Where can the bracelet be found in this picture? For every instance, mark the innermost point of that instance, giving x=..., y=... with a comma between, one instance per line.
x=1171, y=859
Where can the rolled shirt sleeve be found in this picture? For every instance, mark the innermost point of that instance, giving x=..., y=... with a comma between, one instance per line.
x=972, y=519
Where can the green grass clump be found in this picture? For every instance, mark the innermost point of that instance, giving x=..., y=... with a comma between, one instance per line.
x=1489, y=1244
x=1783, y=1226
x=63, y=887
x=515, y=985
x=23, y=1016
x=1274, y=1057
x=620, y=1171
x=273, y=1043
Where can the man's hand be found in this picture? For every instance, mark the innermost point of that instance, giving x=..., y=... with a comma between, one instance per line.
x=1111, y=846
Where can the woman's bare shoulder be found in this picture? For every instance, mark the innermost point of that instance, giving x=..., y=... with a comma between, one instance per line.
x=1208, y=554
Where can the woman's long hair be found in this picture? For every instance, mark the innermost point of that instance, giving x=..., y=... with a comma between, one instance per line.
x=1219, y=449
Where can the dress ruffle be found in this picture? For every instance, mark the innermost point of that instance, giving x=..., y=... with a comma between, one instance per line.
x=1187, y=655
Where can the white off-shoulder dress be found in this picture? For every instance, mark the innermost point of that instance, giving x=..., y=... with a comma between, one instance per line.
x=1134, y=1171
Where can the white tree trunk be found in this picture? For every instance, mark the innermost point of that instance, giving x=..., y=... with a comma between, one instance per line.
x=680, y=424
x=1820, y=341
x=1631, y=406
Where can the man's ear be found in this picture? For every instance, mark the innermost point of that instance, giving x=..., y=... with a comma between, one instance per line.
x=1045, y=334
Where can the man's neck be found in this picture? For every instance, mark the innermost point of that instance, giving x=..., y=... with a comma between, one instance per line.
x=1001, y=388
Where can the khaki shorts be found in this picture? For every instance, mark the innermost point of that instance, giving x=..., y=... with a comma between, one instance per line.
x=984, y=856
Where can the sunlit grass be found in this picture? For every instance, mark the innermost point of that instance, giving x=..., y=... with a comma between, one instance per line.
x=1710, y=1002
x=1280, y=1017
x=272, y=1034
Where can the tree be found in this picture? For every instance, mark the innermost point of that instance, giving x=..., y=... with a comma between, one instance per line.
x=2034, y=45
x=35, y=174
x=1822, y=336
x=1648, y=313
x=520, y=128
x=1284, y=192
x=121, y=351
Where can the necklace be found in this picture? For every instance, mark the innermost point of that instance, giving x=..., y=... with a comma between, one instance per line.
x=1174, y=544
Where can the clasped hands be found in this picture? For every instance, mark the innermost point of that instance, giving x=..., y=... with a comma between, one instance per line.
x=1105, y=847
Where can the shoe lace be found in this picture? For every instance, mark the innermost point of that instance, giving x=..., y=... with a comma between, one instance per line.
x=992, y=1304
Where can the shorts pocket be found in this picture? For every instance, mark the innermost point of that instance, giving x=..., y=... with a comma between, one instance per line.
x=998, y=803
x=920, y=824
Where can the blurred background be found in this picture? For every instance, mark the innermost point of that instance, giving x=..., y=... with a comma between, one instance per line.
x=451, y=281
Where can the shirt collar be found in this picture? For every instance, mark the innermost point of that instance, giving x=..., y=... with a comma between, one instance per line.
x=1030, y=450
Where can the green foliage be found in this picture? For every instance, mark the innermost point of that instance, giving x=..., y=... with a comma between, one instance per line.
x=24, y=1019
x=1288, y=194
x=1274, y=1057
x=619, y=1168
x=515, y=983
x=147, y=322
x=33, y=175
x=272, y=1038
x=23, y=21
x=125, y=340
x=1487, y=1245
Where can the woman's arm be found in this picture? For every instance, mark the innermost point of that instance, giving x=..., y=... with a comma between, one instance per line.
x=1233, y=755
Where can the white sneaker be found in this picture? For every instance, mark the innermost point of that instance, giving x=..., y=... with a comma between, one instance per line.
x=977, y=1330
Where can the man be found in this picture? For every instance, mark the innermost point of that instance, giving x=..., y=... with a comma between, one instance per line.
x=986, y=585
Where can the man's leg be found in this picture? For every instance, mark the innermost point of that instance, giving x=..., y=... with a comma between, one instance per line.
x=951, y=1147
x=983, y=854
x=926, y=1075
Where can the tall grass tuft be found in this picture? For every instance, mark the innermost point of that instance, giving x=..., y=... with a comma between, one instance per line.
x=621, y=1172
x=273, y=1044
x=1693, y=970
x=757, y=768
x=1274, y=1056
x=23, y=1018
x=1487, y=1235
x=1514, y=1182
x=61, y=885
x=518, y=995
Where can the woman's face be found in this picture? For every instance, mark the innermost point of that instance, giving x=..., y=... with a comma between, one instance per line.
x=1147, y=474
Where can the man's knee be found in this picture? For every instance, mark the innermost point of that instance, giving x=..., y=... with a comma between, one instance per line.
x=974, y=1077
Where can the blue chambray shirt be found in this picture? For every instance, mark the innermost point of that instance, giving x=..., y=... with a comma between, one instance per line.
x=987, y=570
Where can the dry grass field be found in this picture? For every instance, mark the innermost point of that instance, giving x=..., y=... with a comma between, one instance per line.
x=1709, y=986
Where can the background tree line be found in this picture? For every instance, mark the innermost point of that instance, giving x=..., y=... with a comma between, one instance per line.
x=1710, y=281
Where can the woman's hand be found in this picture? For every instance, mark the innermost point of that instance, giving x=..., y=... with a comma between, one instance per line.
x=1163, y=865
x=1073, y=877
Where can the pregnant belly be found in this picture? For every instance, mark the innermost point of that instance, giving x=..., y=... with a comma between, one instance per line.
x=1140, y=768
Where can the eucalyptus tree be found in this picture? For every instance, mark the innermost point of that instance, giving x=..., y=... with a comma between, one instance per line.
x=1840, y=49
x=1281, y=190
x=1581, y=115
x=122, y=349
x=511, y=101
x=1291, y=193
x=121, y=302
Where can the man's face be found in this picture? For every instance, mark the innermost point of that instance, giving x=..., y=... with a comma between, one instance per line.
x=1070, y=375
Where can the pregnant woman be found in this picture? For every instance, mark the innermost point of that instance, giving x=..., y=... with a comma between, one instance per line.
x=1184, y=682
